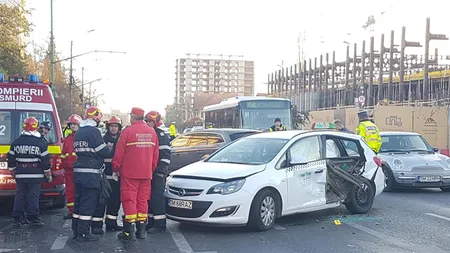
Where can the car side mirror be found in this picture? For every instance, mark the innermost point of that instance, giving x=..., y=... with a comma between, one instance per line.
x=436, y=150
x=298, y=160
x=205, y=156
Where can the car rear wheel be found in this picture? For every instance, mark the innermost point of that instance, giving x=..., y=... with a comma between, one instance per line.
x=59, y=202
x=263, y=211
x=360, y=199
x=389, y=183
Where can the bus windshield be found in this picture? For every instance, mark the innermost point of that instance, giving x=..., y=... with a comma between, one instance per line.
x=260, y=119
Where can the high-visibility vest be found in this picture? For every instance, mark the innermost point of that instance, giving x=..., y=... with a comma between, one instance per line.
x=371, y=134
x=282, y=128
x=173, y=130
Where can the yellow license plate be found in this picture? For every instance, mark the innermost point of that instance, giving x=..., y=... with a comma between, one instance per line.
x=180, y=203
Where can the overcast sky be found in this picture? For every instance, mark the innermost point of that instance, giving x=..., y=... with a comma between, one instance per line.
x=155, y=33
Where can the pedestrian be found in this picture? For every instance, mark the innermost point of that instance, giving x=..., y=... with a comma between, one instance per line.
x=277, y=126
x=157, y=204
x=68, y=158
x=135, y=160
x=88, y=170
x=172, y=131
x=44, y=128
x=112, y=206
x=29, y=164
x=369, y=131
x=341, y=127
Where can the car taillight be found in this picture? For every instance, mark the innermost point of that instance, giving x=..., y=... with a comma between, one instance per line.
x=55, y=161
x=377, y=161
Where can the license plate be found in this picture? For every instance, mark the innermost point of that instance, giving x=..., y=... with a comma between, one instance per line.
x=3, y=165
x=430, y=179
x=180, y=203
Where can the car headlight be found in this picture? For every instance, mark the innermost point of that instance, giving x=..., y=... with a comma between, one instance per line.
x=227, y=188
x=398, y=164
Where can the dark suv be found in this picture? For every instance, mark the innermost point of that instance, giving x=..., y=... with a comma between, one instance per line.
x=191, y=147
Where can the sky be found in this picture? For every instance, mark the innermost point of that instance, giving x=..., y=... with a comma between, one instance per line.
x=153, y=34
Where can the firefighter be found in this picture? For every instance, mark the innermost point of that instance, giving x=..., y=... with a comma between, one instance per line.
x=157, y=204
x=172, y=131
x=68, y=158
x=114, y=127
x=29, y=164
x=88, y=170
x=44, y=128
x=277, y=126
x=136, y=158
x=369, y=131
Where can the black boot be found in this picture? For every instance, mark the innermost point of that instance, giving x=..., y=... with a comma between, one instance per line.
x=140, y=230
x=23, y=220
x=128, y=232
x=149, y=224
x=97, y=231
x=35, y=222
x=111, y=225
x=88, y=237
x=16, y=224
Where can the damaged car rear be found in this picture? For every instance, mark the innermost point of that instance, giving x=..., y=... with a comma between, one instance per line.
x=259, y=178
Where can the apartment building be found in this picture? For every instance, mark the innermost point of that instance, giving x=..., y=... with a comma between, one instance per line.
x=211, y=75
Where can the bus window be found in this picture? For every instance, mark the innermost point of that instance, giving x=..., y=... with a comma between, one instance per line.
x=5, y=128
x=264, y=118
x=41, y=116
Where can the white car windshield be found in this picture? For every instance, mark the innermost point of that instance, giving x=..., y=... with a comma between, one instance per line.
x=399, y=143
x=252, y=151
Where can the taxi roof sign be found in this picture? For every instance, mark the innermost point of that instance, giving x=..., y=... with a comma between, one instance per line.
x=323, y=125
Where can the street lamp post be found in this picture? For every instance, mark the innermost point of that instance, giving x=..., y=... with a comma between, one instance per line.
x=52, y=48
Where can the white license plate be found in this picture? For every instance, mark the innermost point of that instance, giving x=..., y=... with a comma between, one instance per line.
x=430, y=179
x=180, y=203
x=3, y=165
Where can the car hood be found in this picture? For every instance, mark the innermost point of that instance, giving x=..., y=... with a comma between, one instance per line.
x=220, y=171
x=416, y=159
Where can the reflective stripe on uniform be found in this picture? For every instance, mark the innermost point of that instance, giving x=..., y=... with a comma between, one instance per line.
x=165, y=161
x=76, y=216
x=159, y=217
x=11, y=168
x=44, y=153
x=96, y=219
x=63, y=156
x=29, y=175
x=107, y=160
x=85, y=150
x=100, y=147
x=86, y=170
x=84, y=217
x=140, y=143
x=70, y=204
x=28, y=160
x=74, y=154
x=150, y=215
x=142, y=216
x=111, y=217
x=164, y=147
x=11, y=152
x=109, y=177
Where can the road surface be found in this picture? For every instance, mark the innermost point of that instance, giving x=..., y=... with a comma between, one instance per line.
x=405, y=221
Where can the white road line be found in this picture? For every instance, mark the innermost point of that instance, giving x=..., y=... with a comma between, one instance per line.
x=67, y=224
x=438, y=216
x=59, y=243
x=398, y=242
x=278, y=227
x=179, y=239
x=7, y=250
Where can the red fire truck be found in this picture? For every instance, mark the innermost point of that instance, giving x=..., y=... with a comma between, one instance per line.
x=20, y=99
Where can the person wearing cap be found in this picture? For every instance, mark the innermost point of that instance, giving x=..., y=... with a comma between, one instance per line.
x=341, y=127
x=135, y=160
x=369, y=131
x=44, y=129
x=277, y=126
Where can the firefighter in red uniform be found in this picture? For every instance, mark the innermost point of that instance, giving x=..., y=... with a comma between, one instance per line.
x=135, y=160
x=68, y=158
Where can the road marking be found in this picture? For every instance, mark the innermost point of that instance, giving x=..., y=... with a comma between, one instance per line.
x=398, y=242
x=438, y=216
x=278, y=227
x=67, y=224
x=7, y=250
x=59, y=243
x=179, y=239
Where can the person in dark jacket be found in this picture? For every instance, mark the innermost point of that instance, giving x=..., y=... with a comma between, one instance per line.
x=341, y=127
x=157, y=203
x=29, y=164
x=114, y=127
x=44, y=128
x=91, y=150
x=277, y=126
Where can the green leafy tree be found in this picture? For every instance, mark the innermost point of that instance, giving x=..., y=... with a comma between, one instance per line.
x=299, y=118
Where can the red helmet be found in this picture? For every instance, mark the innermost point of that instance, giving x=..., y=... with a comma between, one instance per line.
x=93, y=113
x=31, y=124
x=155, y=117
x=74, y=119
x=115, y=120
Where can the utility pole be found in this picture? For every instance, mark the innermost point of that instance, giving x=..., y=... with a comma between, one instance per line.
x=71, y=77
x=52, y=50
x=82, y=89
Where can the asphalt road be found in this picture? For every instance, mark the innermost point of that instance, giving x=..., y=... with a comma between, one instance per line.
x=405, y=221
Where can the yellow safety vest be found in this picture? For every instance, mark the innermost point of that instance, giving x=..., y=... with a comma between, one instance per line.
x=67, y=132
x=371, y=134
x=282, y=128
x=173, y=130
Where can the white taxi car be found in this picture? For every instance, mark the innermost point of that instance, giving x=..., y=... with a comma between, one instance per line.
x=259, y=178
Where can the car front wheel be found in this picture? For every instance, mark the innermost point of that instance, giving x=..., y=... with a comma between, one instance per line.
x=263, y=211
x=360, y=199
x=389, y=184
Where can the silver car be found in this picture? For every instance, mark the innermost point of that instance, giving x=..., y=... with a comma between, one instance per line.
x=410, y=162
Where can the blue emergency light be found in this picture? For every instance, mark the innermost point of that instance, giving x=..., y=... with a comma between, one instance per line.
x=33, y=78
x=2, y=79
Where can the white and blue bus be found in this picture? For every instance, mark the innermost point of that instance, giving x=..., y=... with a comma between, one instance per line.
x=257, y=113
